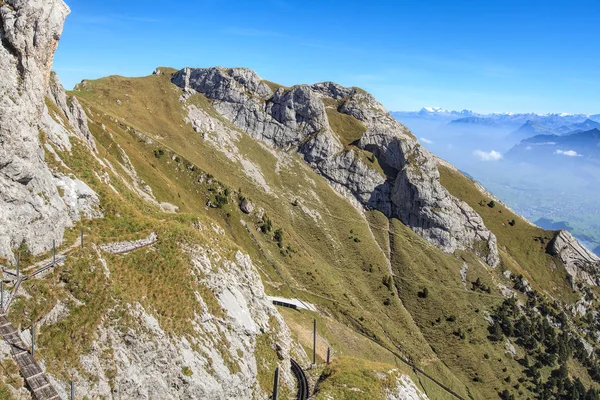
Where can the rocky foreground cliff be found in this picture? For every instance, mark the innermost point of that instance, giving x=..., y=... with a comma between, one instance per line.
x=200, y=191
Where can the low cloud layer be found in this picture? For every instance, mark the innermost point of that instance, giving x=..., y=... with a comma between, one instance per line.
x=427, y=141
x=487, y=156
x=570, y=153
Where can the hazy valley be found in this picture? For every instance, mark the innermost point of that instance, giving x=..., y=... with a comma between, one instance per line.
x=544, y=166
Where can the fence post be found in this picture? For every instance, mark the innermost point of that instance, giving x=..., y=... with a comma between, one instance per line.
x=315, y=341
x=2, y=293
x=32, y=340
x=18, y=261
x=53, y=252
x=276, y=384
x=72, y=390
x=82, y=237
x=328, y=355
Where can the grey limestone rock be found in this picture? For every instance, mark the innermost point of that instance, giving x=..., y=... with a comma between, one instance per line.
x=31, y=208
x=296, y=118
x=581, y=264
x=127, y=246
x=246, y=206
x=71, y=110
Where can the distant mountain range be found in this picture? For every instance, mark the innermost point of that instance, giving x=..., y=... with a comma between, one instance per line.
x=532, y=128
x=500, y=120
x=552, y=148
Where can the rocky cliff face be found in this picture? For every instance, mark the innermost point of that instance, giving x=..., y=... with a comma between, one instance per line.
x=296, y=118
x=69, y=109
x=581, y=264
x=32, y=209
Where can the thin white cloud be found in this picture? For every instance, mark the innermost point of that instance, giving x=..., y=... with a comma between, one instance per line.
x=487, y=156
x=425, y=140
x=570, y=153
x=251, y=32
x=109, y=19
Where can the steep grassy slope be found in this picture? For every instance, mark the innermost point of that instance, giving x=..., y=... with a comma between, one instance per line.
x=329, y=253
x=378, y=285
x=522, y=245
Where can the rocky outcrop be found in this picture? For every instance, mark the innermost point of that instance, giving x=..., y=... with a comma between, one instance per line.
x=80, y=199
x=283, y=119
x=32, y=209
x=246, y=206
x=581, y=264
x=71, y=110
x=220, y=360
x=127, y=246
x=296, y=118
x=405, y=389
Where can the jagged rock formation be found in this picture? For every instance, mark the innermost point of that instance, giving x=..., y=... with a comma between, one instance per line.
x=581, y=264
x=296, y=118
x=71, y=110
x=32, y=209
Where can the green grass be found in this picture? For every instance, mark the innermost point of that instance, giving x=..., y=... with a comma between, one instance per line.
x=355, y=379
x=346, y=127
x=274, y=86
x=328, y=267
x=522, y=247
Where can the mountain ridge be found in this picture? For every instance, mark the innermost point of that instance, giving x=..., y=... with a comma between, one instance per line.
x=250, y=189
x=506, y=120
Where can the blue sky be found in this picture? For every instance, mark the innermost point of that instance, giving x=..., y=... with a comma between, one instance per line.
x=520, y=56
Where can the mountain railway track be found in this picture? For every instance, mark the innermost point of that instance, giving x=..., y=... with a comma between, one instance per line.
x=35, y=377
x=296, y=369
x=298, y=372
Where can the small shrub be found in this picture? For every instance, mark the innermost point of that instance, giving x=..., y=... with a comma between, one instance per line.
x=25, y=255
x=266, y=225
x=278, y=236
x=187, y=371
x=460, y=333
x=492, y=204
x=387, y=281
x=221, y=200
x=512, y=222
x=423, y=293
x=451, y=318
x=158, y=153
x=387, y=302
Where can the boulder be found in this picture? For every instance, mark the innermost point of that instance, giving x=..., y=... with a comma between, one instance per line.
x=246, y=206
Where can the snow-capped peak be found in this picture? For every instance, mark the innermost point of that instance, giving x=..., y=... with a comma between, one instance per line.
x=435, y=110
